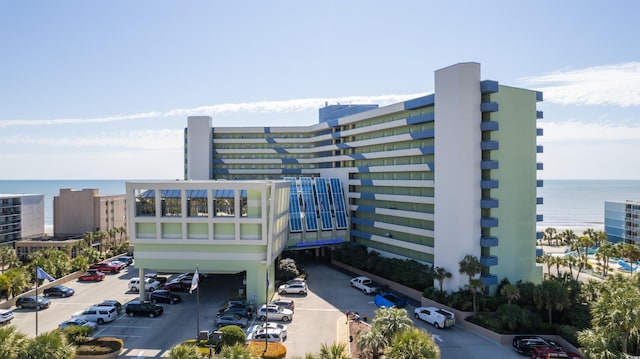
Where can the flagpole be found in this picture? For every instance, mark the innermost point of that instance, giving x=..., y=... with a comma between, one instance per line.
x=37, y=300
x=197, y=304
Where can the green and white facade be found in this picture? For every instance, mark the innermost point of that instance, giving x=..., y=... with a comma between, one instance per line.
x=430, y=179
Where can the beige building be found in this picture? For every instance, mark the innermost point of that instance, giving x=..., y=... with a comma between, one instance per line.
x=76, y=212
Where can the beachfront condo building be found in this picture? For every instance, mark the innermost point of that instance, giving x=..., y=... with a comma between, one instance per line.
x=431, y=179
x=21, y=217
x=622, y=221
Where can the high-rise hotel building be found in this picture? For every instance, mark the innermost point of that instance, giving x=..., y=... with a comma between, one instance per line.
x=430, y=179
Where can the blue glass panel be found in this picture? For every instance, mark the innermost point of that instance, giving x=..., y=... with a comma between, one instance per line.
x=295, y=219
x=324, y=203
x=338, y=202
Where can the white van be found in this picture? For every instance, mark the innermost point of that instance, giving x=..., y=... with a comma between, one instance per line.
x=99, y=315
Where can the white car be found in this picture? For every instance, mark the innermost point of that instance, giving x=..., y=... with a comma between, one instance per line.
x=99, y=315
x=6, y=315
x=293, y=289
x=150, y=284
x=269, y=334
x=270, y=325
x=273, y=312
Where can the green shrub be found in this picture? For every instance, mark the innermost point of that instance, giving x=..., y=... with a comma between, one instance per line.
x=77, y=334
x=568, y=332
x=232, y=335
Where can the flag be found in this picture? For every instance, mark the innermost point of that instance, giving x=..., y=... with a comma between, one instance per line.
x=194, y=281
x=41, y=274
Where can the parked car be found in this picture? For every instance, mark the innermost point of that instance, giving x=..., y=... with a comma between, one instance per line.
x=107, y=267
x=296, y=281
x=165, y=296
x=6, y=315
x=524, y=343
x=266, y=334
x=149, y=284
x=270, y=325
x=155, y=276
x=33, y=301
x=272, y=312
x=284, y=303
x=58, y=291
x=178, y=285
x=231, y=319
x=78, y=322
x=243, y=311
x=137, y=308
x=439, y=318
x=111, y=303
x=92, y=275
x=96, y=314
x=293, y=289
x=549, y=353
x=128, y=260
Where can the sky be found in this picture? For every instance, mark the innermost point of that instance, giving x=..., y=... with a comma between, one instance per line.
x=102, y=89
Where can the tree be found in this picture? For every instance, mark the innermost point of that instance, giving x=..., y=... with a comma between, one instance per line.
x=586, y=242
x=598, y=345
x=583, y=263
x=390, y=321
x=370, y=343
x=335, y=351
x=237, y=351
x=413, y=343
x=550, y=234
x=511, y=292
x=184, y=351
x=629, y=252
x=440, y=274
x=470, y=265
x=551, y=295
x=91, y=254
x=8, y=258
x=49, y=345
x=476, y=287
x=12, y=342
x=512, y=316
x=568, y=237
x=19, y=280
x=546, y=259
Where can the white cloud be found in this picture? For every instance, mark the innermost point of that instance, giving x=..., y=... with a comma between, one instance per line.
x=598, y=85
x=146, y=139
x=295, y=105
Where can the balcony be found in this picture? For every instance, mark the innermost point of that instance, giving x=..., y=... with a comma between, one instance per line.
x=488, y=184
x=489, y=261
x=489, y=203
x=488, y=222
x=488, y=241
x=489, y=165
x=489, y=280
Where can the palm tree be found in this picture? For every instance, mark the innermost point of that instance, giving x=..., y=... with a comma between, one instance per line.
x=470, y=265
x=568, y=237
x=598, y=345
x=549, y=235
x=183, y=351
x=12, y=342
x=19, y=280
x=615, y=313
x=237, y=351
x=630, y=252
x=440, y=274
x=600, y=238
x=413, y=343
x=512, y=292
x=511, y=315
x=550, y=295
x=8, y=258
x=546, y=259
x=49, y=345
x=583, y=263
x=390, y=321
x=475, y=286
x=335, y=351
x=607, y=251
x=370, y=343
x=587, y=242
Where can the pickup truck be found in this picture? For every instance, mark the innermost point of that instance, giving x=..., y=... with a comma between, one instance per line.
x=365, y=285
x=439, y=318
x=388, y=300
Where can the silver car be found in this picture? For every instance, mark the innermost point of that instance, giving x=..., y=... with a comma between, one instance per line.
x=231, y=319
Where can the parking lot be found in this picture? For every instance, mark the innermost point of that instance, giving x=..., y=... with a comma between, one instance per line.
x=319, y=316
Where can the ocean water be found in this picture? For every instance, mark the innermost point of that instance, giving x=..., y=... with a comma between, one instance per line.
x=568, y=204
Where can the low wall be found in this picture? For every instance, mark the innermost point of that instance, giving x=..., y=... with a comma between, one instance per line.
x=11, y=302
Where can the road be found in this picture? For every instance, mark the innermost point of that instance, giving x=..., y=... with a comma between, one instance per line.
x=319, y=316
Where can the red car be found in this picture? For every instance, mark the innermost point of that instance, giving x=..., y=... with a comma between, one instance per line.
x=92, y=275
x=551, y=352
x=107, y=267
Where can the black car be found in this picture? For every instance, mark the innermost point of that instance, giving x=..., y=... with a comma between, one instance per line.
x=524, y=343
x=32, y=301
x=146, y=308
x=165, y=296
x=243, y=311
x=111, y=303
x=59, y=291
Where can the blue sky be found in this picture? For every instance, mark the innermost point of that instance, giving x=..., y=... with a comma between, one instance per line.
x=102, y=89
